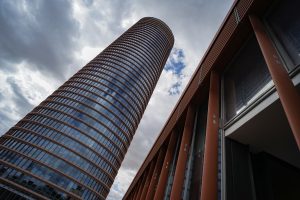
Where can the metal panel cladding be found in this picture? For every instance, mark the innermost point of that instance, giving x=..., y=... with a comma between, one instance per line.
x=72, y=145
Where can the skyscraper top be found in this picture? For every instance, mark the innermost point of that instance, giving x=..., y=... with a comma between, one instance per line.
x=160, y=24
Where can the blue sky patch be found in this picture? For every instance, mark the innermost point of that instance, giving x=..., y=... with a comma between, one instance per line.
x=175, y=89
x=176, y=64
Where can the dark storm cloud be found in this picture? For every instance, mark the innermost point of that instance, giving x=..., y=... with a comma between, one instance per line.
x=5, y=123
x=21, y=102
x=40, y=33
x=103, y=21
x=16, y=105
x=88, y=2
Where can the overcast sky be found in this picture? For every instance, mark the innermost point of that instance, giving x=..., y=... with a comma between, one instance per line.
x=43, y=43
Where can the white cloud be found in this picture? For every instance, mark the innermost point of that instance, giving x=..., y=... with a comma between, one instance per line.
x=20, y=91
x=122, y=180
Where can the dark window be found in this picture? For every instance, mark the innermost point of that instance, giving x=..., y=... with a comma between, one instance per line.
x=284, y=20
x=246, y=78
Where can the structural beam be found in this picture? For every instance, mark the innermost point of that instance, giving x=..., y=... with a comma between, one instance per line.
x=135, y=190
x=148, y=179
x=209, y=189
x=183, y=154
x=163, y=177
x=140, y=189
x=287, y=92
x=156, y=173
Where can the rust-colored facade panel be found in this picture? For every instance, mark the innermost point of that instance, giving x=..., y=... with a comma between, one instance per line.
x=142, y=183
x=163, y=177
x=156, y=173
x=148, y=179
x=210, y=165
x=183, y=154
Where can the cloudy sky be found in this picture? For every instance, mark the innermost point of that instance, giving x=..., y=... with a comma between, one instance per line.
x=42, y=43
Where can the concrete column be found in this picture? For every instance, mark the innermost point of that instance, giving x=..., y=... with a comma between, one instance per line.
x=148, y=179
x=183, y=154
x=135, y=190
x=287, y=92
x=143, y=180
x=156, y=173
x=209, y=189
x=163, y=177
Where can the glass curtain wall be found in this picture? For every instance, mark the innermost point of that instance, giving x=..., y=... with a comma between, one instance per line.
x=284, y=22
x=246, y=78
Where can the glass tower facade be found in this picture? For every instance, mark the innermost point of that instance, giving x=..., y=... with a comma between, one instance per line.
x=72, y=145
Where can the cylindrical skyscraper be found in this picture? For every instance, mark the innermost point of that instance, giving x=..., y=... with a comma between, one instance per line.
x=72, y=145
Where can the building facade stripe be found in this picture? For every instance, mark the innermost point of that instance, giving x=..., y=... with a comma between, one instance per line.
x=183, y=154
x=57, y=156
x=65, y=135
x=51, y=168
x=163, y=177
x=28, y=118
x=148, y=179
x=58, y=113
x=68, y=86
x=156, y=173
x=209, y=190
x=112, y=105
x=36, y=177
x=32, y=193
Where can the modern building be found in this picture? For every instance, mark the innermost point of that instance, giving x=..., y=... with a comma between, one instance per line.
x=235, y=132
x=72, y=145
